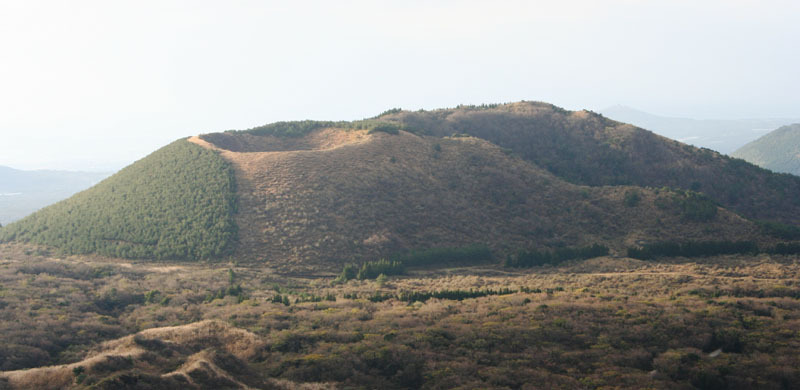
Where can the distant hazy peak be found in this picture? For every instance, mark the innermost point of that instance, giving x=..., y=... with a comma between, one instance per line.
x=623, y=109
x=722, y=135
x=778, y=150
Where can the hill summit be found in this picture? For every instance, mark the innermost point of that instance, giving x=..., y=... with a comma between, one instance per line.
x=312, y=195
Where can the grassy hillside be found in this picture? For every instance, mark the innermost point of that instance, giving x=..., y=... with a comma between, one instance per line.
x=337, y=196
x=177, y=203
x=777, y=151
x=586, y=148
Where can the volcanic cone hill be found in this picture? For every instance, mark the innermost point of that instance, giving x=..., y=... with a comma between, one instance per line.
x=336, y=195
x=311, y=196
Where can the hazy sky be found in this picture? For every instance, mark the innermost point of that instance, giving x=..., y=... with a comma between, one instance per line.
x=99, y=84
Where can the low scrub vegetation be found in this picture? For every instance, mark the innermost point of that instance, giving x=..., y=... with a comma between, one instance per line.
x=728, y=322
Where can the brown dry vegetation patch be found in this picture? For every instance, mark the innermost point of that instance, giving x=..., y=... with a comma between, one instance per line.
x=137, y=351
x=355, y=196
x=201, y=355
x=606, y=322
x=322, y=139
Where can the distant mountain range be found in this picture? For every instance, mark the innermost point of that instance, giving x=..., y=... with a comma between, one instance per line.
x=721, y=135
x=777, y=151
x=23, y=192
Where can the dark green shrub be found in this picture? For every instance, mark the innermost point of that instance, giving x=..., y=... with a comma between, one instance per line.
x=350, y=271
x=372, y=269
x=455, y=295
x=697, y=207
x=302, y=128
x=468, y=255
x=632, y=198
x=379, y=297
x=780, y=230
x=150, y=296
x=389, y=128
x=785, y=248
x=533, y=258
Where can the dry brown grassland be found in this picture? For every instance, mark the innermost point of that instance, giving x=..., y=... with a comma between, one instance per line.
x=725, y=322
x=335, y=196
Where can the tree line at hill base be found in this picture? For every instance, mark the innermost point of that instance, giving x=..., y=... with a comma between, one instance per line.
x=477, y=254
x=708, y=248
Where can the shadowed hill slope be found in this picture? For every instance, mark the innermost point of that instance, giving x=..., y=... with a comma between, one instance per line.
x=346, y=195
x=176, y=203
x=587, y=148
x=778, y=151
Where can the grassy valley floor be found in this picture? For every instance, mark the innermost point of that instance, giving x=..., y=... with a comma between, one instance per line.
x=722, y=322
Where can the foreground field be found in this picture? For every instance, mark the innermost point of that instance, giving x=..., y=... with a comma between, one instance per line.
x=726, y=322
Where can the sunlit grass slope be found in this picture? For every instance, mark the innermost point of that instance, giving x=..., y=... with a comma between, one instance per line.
x=176, y=203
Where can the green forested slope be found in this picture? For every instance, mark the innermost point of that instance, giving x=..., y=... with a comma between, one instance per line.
x=777, y=151
x=177, y=203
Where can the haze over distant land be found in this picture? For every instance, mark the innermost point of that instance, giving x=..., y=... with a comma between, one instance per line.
x=722, y=135
x=86, y=87
x=23, y=192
